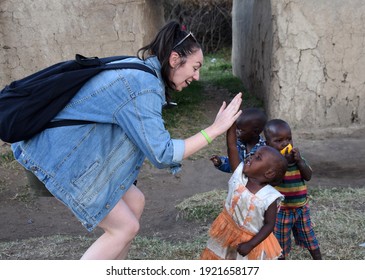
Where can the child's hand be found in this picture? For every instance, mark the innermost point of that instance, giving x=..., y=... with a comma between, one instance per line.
x=305, y=169
x=216, y=160
x=296, y=155
x=244, y=248
x=289, y=156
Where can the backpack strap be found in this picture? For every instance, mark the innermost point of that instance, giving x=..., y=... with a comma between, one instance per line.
x=102, y=62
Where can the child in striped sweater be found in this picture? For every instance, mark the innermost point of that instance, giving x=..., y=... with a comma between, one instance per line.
x=294, y=213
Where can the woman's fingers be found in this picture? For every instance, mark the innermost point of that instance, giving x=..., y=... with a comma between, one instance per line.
x=228, y=114
x=233, y=107
x=236, y=101
x=221, y=109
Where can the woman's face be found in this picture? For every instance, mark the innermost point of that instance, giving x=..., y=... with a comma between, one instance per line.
x=183, y=74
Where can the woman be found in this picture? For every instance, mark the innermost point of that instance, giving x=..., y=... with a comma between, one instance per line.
x=92, y=168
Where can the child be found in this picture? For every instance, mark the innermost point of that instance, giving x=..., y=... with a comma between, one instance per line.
x=294, y=215
x=250, y=125
x=243, y=230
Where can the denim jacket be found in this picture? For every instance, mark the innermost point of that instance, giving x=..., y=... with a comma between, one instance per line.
x=90, y=167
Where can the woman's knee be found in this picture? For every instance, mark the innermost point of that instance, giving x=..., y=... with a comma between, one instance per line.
x=133, y=227
x=121, y=220
x=125, y=228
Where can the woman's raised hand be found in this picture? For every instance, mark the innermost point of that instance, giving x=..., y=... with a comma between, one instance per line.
x=227, y=114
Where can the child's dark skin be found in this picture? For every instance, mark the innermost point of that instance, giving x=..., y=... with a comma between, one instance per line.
x=259, y=173
x=279, y=137
x=248, y=131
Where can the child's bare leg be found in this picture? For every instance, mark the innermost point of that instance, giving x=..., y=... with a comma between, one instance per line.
x=120, y=227
x=316, y=254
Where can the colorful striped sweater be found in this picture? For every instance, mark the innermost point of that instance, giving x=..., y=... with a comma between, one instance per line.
x=293, y=188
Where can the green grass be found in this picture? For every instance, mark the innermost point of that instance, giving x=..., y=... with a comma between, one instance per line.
x=339, y=225
x=202, y=206
x=156, y=249
x=217, y=72
x=6, y=158
x=56, y=247
x=180, y=120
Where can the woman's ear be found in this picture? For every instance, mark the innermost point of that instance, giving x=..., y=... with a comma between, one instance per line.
x=174, y=59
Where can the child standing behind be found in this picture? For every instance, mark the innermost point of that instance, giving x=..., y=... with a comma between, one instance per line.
x=250, y=125
x=243, y=230
x=294, y=214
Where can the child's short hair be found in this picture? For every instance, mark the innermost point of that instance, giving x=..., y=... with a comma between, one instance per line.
x=272, y=125
x=256, y=116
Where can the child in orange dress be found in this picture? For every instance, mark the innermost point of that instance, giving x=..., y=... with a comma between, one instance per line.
x=243, y=230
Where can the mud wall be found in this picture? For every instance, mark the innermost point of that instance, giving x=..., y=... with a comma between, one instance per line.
x=305, y=59
x=38, y=33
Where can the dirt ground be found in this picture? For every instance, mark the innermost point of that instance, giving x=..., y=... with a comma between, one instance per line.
x=336, y=156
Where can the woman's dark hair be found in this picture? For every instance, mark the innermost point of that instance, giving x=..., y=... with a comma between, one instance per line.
x=170, y=38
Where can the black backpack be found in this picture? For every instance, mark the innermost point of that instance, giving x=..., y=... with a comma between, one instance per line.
x=27, y=106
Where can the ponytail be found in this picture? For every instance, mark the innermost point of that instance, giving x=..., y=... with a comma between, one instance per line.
x=170, y=38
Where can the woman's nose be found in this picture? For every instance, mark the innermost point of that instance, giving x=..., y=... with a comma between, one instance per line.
x=196, y=76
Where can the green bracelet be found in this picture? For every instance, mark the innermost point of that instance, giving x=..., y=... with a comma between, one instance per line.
x=206, y=136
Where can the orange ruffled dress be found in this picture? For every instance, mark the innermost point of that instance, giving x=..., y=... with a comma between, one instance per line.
x=240, y=220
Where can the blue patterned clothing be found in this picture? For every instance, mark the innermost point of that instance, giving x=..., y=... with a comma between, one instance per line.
x=243, y=153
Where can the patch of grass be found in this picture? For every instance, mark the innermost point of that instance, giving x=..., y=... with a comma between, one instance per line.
x=184, y=119
x=6, y=157
x=338, y=215
x=155, y=249
x=61, y=247
x=202, y=206
x=56, y=247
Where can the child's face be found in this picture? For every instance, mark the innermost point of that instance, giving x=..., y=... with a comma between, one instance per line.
x=280, y=138
x=245, y=132
x=258, y=163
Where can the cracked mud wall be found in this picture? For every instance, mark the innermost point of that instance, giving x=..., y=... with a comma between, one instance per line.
x=305, y=59
x=35, y=34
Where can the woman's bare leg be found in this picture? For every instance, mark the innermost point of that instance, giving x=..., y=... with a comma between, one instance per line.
x=131, y=199
x=120, y=226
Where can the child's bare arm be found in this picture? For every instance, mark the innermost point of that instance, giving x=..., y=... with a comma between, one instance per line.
x=233, y=156
x=216, y=160
x=304, y=168
x=268, y=227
